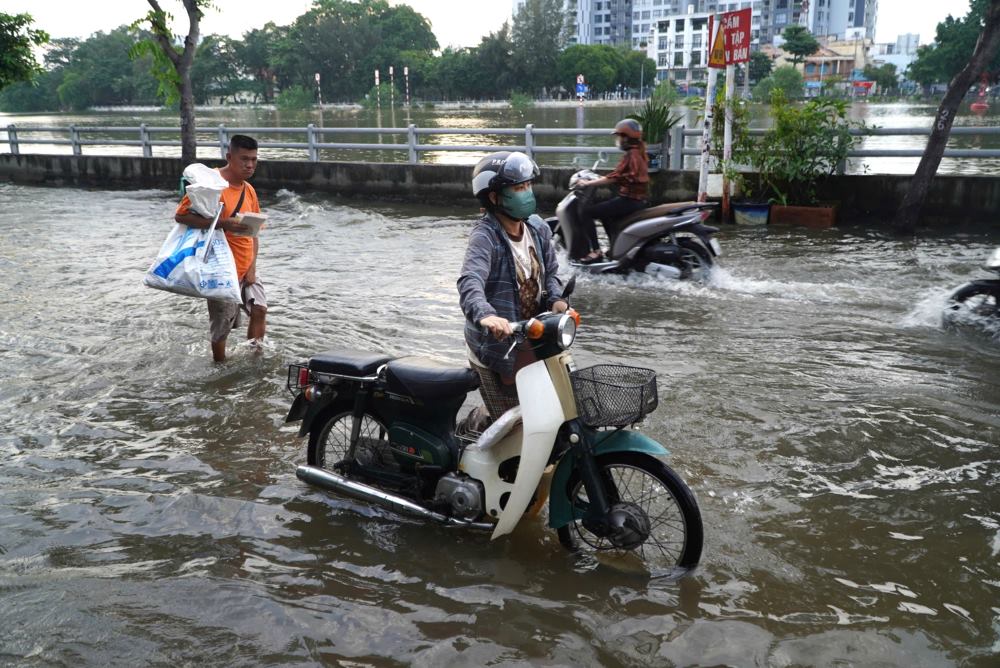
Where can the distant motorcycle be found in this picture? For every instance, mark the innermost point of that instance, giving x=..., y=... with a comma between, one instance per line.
x=383, y=429
x=668, y=240
x=978, y=299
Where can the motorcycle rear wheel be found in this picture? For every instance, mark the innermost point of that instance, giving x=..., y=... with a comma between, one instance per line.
x=330, y=440
x=639, y=481
x=695, y=261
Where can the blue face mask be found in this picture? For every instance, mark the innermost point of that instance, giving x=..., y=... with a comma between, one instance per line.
x=517, y=204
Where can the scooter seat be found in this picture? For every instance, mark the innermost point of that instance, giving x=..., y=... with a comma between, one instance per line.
x=659, y=210
x=426, y=379
x=355, y=363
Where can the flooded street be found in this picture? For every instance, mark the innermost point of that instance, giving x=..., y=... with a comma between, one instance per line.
x=842, y=445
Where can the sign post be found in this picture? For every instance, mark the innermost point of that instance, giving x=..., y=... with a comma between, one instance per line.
x=378, y=93
x=406, y=77
x=319, y=91
x=581, y=88
x=392, y=89
x=716, y=59
x=730, y=45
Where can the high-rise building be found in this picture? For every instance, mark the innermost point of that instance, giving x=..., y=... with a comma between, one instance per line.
x=595, y=21
x=844, y=19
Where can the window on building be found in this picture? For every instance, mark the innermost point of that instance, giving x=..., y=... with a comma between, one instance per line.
x=780, y=19
x=662, y=60
x=679, y=25
x=662, y=44
x=607, y=31
x=645, y=28
x=695, y=58
x=696, y=41
x=646, y=15
x=678, y=59
x=780, y=4
x=635, y=16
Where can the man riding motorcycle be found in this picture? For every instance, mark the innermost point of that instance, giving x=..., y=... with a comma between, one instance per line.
x=631, y=175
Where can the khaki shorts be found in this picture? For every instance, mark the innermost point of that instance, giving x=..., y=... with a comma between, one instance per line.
x=223, y=317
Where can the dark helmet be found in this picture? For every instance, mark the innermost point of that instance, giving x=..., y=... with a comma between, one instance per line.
x=500, y=170
x=628, y=128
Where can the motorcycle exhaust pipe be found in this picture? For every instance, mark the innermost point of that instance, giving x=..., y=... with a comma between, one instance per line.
x=337, y=483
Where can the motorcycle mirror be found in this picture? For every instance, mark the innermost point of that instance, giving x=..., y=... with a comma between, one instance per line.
x=601, y=157
x=570, y=285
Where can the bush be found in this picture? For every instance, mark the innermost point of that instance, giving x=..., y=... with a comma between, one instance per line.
x=787, y=79
x=521, y=101
x=295, y=97
x=805, y=144
x=383, y=95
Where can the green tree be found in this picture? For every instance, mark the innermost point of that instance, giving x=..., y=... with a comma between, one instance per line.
x=760, y=66
x=884, y=76
x=955, y=40
x=257, y=55
x=345, y=42
x=99, y=72
x=799, y=42
x=984, y=53
x=539, y=34
x=600, y=64
x=217, y=70
x=638, y=69
x=785, y=78
x=172, y=67
x=17, y=37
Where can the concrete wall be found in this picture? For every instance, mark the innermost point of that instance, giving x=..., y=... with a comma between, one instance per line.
x=867, y=199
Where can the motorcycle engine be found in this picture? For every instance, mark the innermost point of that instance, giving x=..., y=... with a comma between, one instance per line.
x=464, y=494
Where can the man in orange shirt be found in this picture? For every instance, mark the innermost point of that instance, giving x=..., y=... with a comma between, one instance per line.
x=239, y=197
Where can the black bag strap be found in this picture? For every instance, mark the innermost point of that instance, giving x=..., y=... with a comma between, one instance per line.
x=239, y=203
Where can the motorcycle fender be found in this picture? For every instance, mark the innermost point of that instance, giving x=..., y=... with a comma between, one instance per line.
x=311, y=409
x=298, y=409
x=560, y=509
x=541, y=415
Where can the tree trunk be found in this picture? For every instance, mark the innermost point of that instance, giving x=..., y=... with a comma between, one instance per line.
x=986, y=47
x=182, y=65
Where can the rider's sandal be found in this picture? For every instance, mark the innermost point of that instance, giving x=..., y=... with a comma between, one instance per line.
x=592, y=257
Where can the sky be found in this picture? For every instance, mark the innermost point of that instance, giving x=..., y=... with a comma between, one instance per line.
x=455, y=22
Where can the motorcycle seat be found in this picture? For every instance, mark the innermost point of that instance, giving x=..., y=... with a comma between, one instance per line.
x=355, y=363
x=426, y=379
x=659, y=210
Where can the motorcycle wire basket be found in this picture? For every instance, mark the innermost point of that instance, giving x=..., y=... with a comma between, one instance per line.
x=612, y=395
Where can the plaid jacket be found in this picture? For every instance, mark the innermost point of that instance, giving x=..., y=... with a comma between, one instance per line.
x=488, y=285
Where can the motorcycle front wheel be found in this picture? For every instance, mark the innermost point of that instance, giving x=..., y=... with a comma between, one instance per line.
x=651, y=496
x=976, y=301
x=330, y=440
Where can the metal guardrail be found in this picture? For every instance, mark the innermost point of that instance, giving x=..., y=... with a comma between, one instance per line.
x=314, y=142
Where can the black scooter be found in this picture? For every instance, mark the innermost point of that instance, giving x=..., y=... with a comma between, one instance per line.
x=978, y=299
x=667, y=240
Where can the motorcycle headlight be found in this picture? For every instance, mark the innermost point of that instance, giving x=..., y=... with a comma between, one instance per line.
x=566, y=332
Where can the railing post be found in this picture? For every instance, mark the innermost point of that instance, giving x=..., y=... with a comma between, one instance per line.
x=411, y=141
x=15, y=149
x=223, y=141
x=676, y=147
x=311, y=139
x=529, y=140
x=74, y=137
x=147, y=148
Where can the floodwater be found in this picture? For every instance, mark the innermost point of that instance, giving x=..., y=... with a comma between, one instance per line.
x=842, y=445
x=571, y=116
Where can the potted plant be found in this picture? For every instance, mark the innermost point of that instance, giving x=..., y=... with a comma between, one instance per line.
x=656, y=119
x=804, y=145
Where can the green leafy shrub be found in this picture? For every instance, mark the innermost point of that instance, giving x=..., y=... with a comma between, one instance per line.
x=295, y=97
x=805, y=144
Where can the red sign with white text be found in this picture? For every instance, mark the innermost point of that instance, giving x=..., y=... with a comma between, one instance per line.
x=735, y=37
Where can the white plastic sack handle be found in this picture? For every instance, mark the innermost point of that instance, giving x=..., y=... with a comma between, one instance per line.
x=203, y=251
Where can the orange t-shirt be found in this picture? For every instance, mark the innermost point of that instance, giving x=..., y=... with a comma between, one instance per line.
x=242, y=247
